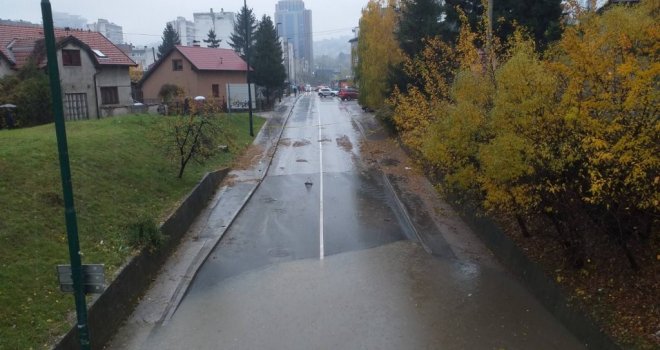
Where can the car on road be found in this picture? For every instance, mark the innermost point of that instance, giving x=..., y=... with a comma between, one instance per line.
x=326, y=92
x=348, y=94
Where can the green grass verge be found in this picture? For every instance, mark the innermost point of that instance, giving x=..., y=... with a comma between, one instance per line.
x=121, y=175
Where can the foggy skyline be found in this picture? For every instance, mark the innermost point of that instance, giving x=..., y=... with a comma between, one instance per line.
x=143, y=25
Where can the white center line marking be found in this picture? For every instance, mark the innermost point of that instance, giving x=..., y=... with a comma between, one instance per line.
x=321, y=249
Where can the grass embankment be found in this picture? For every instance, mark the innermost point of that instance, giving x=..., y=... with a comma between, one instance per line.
x=120, y=175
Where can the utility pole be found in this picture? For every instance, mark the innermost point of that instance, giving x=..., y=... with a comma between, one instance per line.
x=247, y=59
x=65, y=171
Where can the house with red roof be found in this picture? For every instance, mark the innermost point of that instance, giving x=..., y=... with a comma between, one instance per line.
x=93, y=71
x=200, y=71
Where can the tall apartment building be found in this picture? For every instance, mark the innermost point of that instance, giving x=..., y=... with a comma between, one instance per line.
x=186, y=30
x=113, y=32
x=295, y=25
x=221, y=22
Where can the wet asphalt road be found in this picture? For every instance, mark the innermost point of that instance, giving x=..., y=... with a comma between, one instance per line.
x=320, y=258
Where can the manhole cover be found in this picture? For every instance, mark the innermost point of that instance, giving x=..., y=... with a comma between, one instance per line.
x=278, y=253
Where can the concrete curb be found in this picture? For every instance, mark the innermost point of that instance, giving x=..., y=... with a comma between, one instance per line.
x=109, y=310
x=396, y=198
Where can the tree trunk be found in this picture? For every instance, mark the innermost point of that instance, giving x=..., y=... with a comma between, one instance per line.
x=631, y=258
x=523, y=226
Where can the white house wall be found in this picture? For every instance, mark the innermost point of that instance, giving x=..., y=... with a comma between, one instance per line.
x=116, y=76
x=79, y=79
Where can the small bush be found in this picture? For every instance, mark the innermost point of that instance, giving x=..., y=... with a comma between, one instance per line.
x=385, y=115
x=144, y=233
x=168, y=92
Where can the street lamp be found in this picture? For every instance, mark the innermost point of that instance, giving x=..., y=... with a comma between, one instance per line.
x=247, y=61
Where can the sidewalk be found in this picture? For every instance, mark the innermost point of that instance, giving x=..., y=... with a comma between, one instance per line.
x=163, y=297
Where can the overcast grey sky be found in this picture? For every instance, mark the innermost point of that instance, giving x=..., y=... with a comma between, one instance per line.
x=143, y=20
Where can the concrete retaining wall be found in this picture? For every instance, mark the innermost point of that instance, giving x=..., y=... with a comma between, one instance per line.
x=531, y=274
x=110, y=309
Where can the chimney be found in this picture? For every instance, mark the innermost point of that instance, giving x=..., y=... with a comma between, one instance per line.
x=196, y=43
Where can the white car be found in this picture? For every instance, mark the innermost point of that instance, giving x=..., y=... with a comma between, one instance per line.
x=325, y=92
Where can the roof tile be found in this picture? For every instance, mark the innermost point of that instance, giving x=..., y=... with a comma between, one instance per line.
x=204, y=58
x=96, y=41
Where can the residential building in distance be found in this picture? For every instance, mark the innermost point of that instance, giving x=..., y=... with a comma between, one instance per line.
x=295, y=23
x=64, y=20
x=144, y=56
x=288, y=60
x=94, y=72
x=186, y=30
x=110, y=30
x=221, y=22
x=200, y=71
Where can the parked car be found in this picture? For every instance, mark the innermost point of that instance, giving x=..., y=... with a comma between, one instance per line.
x=326, y=92
x=348, y=94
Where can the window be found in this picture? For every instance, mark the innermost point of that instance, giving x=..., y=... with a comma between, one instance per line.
x=71, y=57
x=216, y=90
x=99, y=53
x=109, y=95
x=177, y=65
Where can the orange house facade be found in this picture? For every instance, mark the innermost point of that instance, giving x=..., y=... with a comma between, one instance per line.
x=199, y=71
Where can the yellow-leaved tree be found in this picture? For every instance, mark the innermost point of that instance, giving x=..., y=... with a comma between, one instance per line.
x=531, y=166
x=460, y=90
x=377, y=51
x=610, y=72
x=415, y=110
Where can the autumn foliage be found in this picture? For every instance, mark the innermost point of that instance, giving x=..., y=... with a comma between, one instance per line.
x=378, y=50
x=571, y=139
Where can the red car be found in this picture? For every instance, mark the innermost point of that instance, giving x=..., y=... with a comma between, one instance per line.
x=348, y=94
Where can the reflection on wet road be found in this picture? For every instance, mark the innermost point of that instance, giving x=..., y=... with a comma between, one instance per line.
x=265, y=286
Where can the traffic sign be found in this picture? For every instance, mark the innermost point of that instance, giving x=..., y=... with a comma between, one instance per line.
x=93, y=278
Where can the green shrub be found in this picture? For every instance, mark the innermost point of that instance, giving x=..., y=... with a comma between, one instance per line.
x=30, y=92
x=145, y=233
